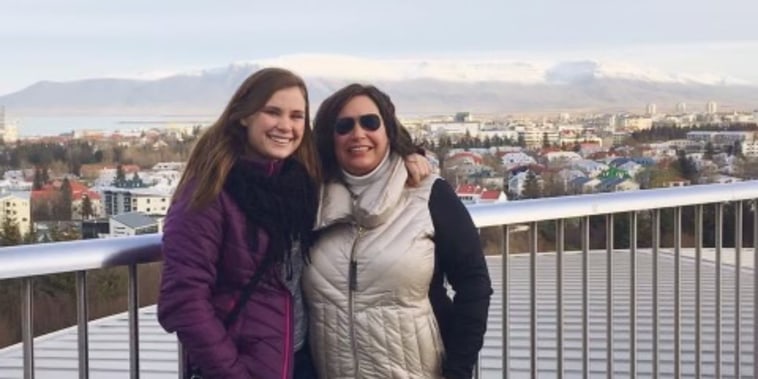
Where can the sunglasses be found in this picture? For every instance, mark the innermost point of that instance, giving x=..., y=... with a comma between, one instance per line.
x=369, y=122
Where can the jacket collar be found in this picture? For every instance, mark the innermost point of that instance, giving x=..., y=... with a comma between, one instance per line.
x=369, y=209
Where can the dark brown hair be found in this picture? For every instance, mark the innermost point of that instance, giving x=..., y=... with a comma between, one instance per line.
x=226, y=140
x=400, y=140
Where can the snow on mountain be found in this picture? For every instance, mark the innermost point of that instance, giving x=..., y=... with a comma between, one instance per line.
x=417, y=85
x=472, y=70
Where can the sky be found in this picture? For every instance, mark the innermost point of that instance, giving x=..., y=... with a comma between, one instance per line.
x=75, y=39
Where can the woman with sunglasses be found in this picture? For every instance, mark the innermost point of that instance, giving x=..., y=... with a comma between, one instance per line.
x=378, y=306
x=237, y=234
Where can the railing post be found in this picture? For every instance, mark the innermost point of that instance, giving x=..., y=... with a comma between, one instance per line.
x=180, y=363
x=533, y=234
x=677, y=291
x=559, y=247
x=133, y=322
x=609, y=296
x=82, y=316
x=656, y=250
x=27, y=325
x=737, y=280
x=755, y=287
x=504, y=250
x=719, y=244
x=633, y=294
x=585, y=297
x=698, y=287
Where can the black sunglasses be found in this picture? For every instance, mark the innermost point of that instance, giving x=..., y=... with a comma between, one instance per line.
x=369, y=122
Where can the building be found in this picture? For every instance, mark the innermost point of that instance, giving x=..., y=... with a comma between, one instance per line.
x=681, y=108
x=720, y=139
x=636, y=123
x=492, y=196
x=711, y=107
x=651, y=109
x=469, y=193
x=750, y=148
x=455, y=128
x=537, y=137
x=95, y=228
x=8, y=130
x=132, y=224
x=16, y=207
x=147, y=200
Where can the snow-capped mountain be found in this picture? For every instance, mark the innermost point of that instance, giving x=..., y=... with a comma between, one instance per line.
x=470, y=70
x=417, y=86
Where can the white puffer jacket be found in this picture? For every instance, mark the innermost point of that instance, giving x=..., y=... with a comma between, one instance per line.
x=367, y=286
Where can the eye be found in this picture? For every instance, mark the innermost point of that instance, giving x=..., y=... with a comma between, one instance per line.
x=272, y=111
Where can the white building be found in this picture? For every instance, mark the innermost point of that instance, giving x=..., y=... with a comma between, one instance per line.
x=16, y=207
x=536, y=137
x=637, y=123
x=132, y=224
x=152, y=201
x=651, y=108
x=455, y=128
x=711, y=107
x=169, y=166
x=565, y=157
x=513, y=160
x=750, y=148
x=681, y=108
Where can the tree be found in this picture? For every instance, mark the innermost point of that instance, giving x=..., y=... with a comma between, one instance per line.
x=554, y=185
x=545, y=140
x=531, y=186
x=521, y=141
x=66, y=199
x=10, y=233
x=709, y=151
x=87, y=211
x=686, y=166
x=45, y=175
x=120, y=174
x=65, y=233
x=37, y=183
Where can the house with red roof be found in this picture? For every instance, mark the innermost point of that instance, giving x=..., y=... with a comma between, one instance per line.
x=50, y=192
x=492, y=196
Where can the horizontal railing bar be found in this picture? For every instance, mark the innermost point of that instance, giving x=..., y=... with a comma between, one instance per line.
x=60, y=257
x=31, y=260
x=534, y=210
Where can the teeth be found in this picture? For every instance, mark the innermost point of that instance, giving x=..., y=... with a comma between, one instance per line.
x=279, y=139
x=359, y=149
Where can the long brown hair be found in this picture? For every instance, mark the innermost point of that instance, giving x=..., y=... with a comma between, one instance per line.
x=400, y=139
x=226, y=140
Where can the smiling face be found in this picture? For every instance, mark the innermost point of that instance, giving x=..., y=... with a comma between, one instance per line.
x=276, y=130
x=359, y=151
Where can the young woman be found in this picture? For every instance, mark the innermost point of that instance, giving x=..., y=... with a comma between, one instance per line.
x=237, y=235
x=378, y=306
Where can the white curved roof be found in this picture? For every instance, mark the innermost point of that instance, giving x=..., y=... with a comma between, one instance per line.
x=56, y=353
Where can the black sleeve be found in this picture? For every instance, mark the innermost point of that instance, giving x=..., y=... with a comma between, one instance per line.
x=460, y=259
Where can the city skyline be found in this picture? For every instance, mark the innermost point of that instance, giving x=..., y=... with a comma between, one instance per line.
x=48, y=40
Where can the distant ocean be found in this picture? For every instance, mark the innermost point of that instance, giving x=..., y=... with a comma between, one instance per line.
x=55, y=125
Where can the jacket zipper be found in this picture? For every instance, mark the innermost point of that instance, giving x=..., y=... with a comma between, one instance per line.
x=287, y=338
x=353, y=286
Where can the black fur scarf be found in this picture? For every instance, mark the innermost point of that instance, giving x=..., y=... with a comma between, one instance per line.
x=283, y=205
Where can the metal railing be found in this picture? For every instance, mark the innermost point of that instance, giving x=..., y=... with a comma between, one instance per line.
x=30, y=261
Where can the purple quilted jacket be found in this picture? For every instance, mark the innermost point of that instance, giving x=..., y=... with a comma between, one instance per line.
x=207, y=262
